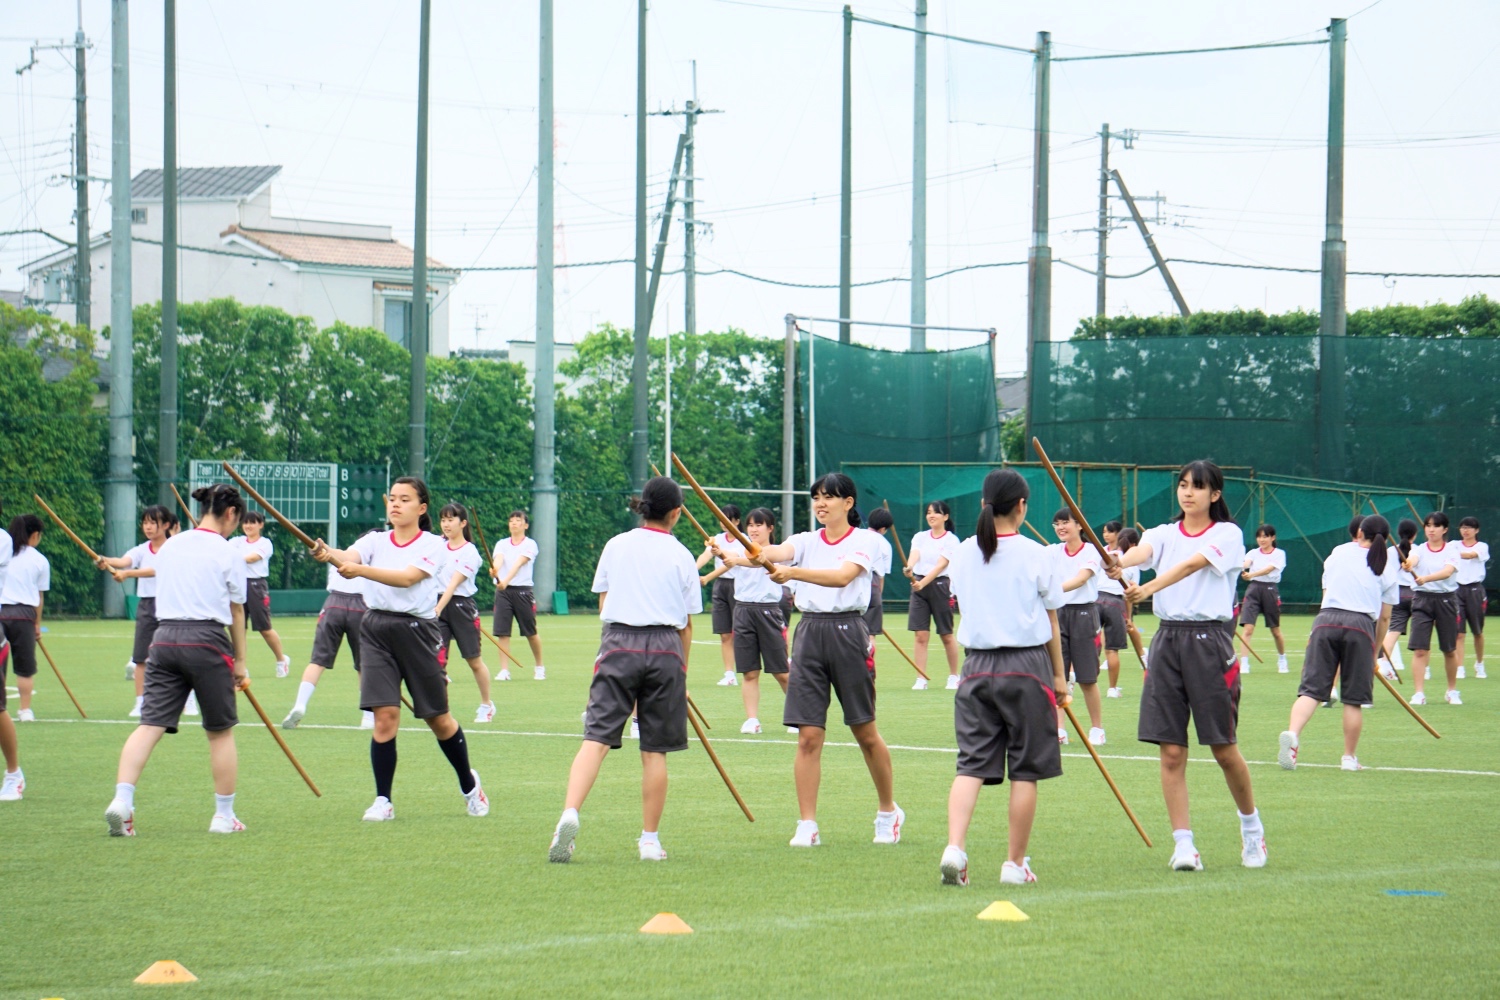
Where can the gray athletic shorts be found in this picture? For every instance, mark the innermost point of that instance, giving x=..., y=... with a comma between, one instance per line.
x=515, y=604
x=722, y=606
x=145, y=629
x=258, y=604
x=1472, y=602
x=759, y=638
x=1005, y=716
x=1193, y=670
x=1343, y=643
x=459, y=621
x=1401, y=612
x=640, y=667
x=1112, y=620
x=394, y=648
x=339, y=620
x=19, y=624
x=832, y=651
x=875, y=612
x=190, y=657
x=932, y=604
x=1433, y=610
x=1078, y=625
x=1261, y=598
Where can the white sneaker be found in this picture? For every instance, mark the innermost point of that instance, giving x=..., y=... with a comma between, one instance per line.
x=954, y=866
x=14, y=785
x=1417, y=699
x=1333, y=696
x=561, y=851
x=485, y=713
x=26, y=715
x=130, y=670
x=1350, y=763
x=1062, y=736
x=888, y=826
x=135, y=713
x=293, y=717
x=1112, y=693
x=478, y=802
x=225, y=824
x=1462, y=672
x=920, y=685
x=380, y=811
x=283, y=666
x=1387, y=671
x=191, y=707
x=635, y=729
x=503, y=675
x=1451, y=697
x=121, y=819
x=651, y=850
x=751, y=726
x=952, y=684
x=1479, y=673
x=729, y=680
x=539, y=673
x=1185, y=858
x=1281, y=665
x=1017, y=874
x=367, y=720
x=793, y=731
x=1096, y=737
x=807, y=834
x=1244, y=664
x=1253, y=850
x=1287, y=755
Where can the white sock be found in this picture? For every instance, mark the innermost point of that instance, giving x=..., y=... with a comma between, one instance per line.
x=1250, y=823
x=1478, y=664
x=571, y=814
x=650, y=837
x=1244, y=662
x=1396, y=657
x=1280, y=657
x=139, y=699
x=126, y=794
x=224, y=805
x=1182, y=837
x=367, y=717
x=304, y=694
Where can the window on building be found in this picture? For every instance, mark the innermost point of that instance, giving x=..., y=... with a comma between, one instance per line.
x=398, y=322
x=137, y=216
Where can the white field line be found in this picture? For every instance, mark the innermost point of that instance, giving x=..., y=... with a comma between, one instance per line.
x=830, y=743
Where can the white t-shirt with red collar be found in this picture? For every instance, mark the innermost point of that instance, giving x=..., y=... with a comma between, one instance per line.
x=426, y=551
x=1070, y=564
x=1470, y=570
x=143, y=556
x=928, y=549
x=815, y=550
x=508, y=552
x=647, y=578
x=1006, y=600
x=1208, y=594
x=465, y=560
x=1430, y=561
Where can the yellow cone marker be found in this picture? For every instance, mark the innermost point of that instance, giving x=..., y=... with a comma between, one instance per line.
x=666, y=923
x=166, y=972
x=1003, y=910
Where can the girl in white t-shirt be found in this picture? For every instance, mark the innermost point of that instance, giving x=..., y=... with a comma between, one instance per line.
x=932, y=605
x=22, y=594
x=458, y=615
x=256, y=549
x=722, y=608
x=759, y=621
x=140, y=564
x=512, y=566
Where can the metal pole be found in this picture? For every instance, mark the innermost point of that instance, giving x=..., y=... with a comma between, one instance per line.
x=666, y=451
x=1039, y=257
x=919, y=184
x=690, y=249
x=166, y=459
x=83, y=277
x=846, y=184
x=658, y=255
x=1099, y=279
x=416, y=464
x=1332, y=317
x=544, y=454
x=641, y=366
x=1161, y=263
x=119, y=496
x=788, y=423
x=812, y=426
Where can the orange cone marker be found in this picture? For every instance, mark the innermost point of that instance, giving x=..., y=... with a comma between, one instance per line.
x=666, y=923
x=166, y=972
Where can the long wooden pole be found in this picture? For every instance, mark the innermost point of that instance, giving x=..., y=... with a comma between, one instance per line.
x=503, y=651
x=1246, y=643
x=693, y=707
x=1405, y=704
x=53, y=664
x=690, y=517
x=255, y=702
x=722, y=773
x=1105, y=771
x=752, y=550
x=484, y=550
x=1088, y=532
x=93, y=556
x=183, y=504
x=895, y=537
x=265, y=505
x=891, y=639
x=1038, y=534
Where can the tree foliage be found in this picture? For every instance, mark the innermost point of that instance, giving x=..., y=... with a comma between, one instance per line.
x=1475, y=316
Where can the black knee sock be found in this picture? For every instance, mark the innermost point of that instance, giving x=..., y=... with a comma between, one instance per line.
x=457, y=752
x=383, y=761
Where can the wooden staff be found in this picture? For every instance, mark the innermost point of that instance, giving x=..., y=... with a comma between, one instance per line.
x=1134, y=634
x=1244, y=642
x=60, y=680
x=183, y=503
x=722, y=773
x=889, y=638
x=693, y=707
x=502, y=649
x=707, y=540
x=484, y=551
x=896, y=537
x=93, y=556
x=1105, y=771
x=265, y=505
x=752, y=551
x=1038, y=534
x=1405, y=704
x=277, y=736
x=1088, y=532
x=1413, y=509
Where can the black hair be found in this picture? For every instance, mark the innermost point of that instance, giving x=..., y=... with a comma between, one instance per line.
x=1375, y=530
x=881, y=518
x=22, y=527
x=836, y=484
x=1204, y=474
x=1354, y=524
x=253, y=517
x=1113, y=527
x=1469, y=522
x=415, y=482
x=1407, y=532
x=1064, y=514
x=158, y=514
x=461, y=512
x=519, y=513
x=942, y=508
x=659, y=497
x=1127, y=539
x=1437, y=519
x=731, y=511
x=761, y=515
x=218, y=499
x=1269, y=530
x=1003, y=489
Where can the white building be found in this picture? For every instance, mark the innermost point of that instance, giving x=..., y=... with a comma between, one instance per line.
x=232, y=246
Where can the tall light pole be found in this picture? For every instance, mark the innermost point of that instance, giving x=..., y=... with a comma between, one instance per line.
x=544, y=455
x=417, y=447
x=119, y=496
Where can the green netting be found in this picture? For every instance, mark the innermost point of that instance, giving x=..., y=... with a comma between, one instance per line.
x=1311, y=517
x=895, y=406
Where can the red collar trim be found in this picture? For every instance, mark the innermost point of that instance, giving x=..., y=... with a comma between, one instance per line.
x=516, y=543
x=451, y=548
x=1438, y=549
x=1181, y=526
x=659, y=531
x=1467, y=545
x=1075, y=551
x=1006, y=534
x=402, y=545
x=209, y=530
x=823, y=534
x=935, y=535
x=157, y=549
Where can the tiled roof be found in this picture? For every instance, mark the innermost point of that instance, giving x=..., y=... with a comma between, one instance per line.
x=341, y=250
x=205, y=182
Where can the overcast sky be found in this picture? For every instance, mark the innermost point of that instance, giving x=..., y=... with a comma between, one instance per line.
x=1234, y=141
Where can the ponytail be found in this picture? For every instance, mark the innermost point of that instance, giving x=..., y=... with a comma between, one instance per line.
x=22, y=527
x=1407, y=531
x=1003, y=489
x=1375, y=530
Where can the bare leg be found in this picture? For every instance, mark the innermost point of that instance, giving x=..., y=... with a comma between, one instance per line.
x=1022, y=813
x=1303, y=709
x=313, y=674
x=1478, y=647
x=808, y=769
x=1249, y=634
x=1174, y=784
x=1450, y=664
x=27, y=684
x=1112, y=661
x=653, y=790
x=442, y=726
x=750, y=692
x=504, y=641
x=274, y=641
x=140, y=680
x=950, y=647
x=726, y=650
x=1236, y=776
x=481, y=677
x=584, y=771
x=8, y=746
x=1095, y=705
x=962, y=798
x=135, y=753
x=225, y=758
x=878, y=760
x=919, y=647
x=535, y=642
x=781, y=679
x=387, y=721
x=1280, y=642
x=1419, y=660
x=1458, y=650
x=1354, y=720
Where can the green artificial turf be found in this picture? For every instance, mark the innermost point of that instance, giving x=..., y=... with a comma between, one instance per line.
x=313, y=902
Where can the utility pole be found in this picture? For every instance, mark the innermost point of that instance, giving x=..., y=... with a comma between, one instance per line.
x=688, y=201
x=1099, y=278
x=1161, y=264
x=416, y=463
x=788, y=420
x=919, y=184
x=119, y=496
x=658, y=255
x=640, y=368
x=689, y=246
x=544, y=448
x=1039, y=256
x=846, y=180
x=83, y=278
x=1331, y=321
x=166, y=458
